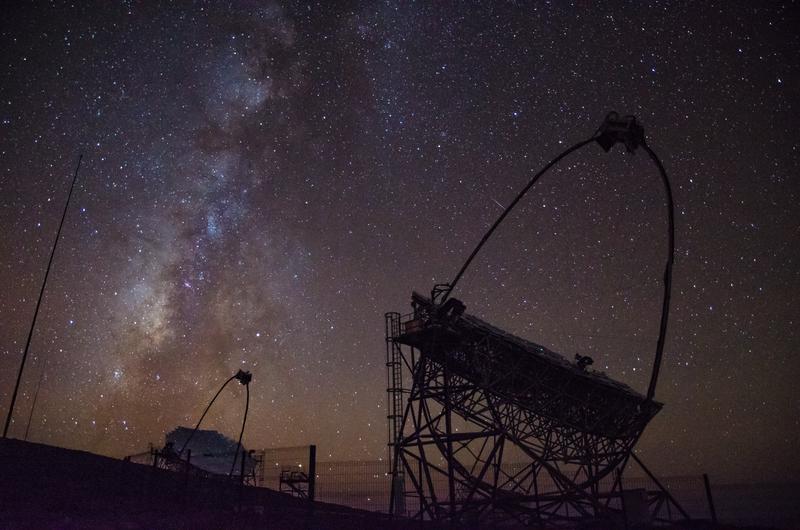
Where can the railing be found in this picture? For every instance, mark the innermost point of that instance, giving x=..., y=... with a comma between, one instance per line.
x=366, y=485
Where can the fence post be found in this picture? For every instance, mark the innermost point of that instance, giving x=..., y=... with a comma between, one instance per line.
x=710, y=499
x=312, y=472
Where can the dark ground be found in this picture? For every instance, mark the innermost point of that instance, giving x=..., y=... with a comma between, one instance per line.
x=45, y=487
x=50, y=487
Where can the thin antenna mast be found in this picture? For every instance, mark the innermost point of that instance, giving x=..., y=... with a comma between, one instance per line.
x=35, y=399
x=39, y=302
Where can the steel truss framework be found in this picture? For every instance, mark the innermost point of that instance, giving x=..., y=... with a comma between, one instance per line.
x=480, y=399
x=478, y=394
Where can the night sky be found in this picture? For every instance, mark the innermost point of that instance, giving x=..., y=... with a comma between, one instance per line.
x=261, y=182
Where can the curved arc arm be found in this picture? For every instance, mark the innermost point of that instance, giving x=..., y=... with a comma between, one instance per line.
x=508, y=209
x=189, y=439
x=241, y=433
x=670, y=257
x=662, y=330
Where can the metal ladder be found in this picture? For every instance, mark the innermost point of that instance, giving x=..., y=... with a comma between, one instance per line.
x=394, y=390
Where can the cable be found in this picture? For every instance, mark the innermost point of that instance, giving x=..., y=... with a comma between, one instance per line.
x=39, y=301
x=35, y=399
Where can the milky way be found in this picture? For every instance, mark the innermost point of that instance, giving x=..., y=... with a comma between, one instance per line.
x=261, y=183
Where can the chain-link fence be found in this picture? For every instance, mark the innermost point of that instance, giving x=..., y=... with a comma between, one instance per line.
x=366, y=485
x=359, y=484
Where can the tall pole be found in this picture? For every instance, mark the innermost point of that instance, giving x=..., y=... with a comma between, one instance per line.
x=39, y=302
x=312, y=472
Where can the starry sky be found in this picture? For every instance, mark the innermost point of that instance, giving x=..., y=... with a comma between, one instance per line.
x=262, y=181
